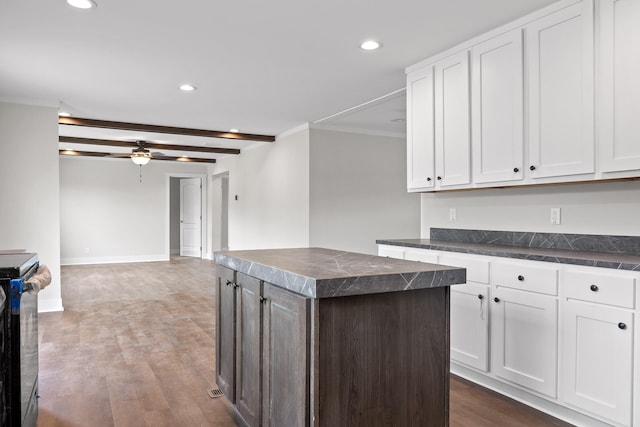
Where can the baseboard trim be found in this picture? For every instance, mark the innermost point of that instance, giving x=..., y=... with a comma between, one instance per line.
x=48, y=305
x=113, y=260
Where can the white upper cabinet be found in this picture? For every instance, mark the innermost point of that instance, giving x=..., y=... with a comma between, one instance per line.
x=619, y=132
x=497, y=109
x=420, y=130
x=561, y=91
x=452, y=125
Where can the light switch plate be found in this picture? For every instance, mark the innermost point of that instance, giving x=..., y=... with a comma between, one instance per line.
x=555, y=216
x=452, y=214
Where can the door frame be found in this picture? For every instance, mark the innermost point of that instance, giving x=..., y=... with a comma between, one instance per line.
x=203, y=214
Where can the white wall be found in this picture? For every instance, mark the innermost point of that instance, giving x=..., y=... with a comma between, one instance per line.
x=106, y=210
x=600, y=208
x=271, y=182
x=29, y=187
x=358, y=191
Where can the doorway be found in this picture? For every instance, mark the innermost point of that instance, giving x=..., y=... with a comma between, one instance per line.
x=186, y=234
x=220, y=211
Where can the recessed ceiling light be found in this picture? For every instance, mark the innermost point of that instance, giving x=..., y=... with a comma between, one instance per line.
x=82, y=4
x=370, y=45
x=186, y=87
x=64, y=114
x=234, y=130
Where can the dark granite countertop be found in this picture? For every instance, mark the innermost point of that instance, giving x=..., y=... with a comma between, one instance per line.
x=620, y=261
x=323, y=273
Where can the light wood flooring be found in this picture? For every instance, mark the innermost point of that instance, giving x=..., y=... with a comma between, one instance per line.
x=135, y=346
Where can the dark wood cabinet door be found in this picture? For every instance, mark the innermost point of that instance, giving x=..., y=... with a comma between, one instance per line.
x=249, y=349
x=285, y=358
x=226, y=332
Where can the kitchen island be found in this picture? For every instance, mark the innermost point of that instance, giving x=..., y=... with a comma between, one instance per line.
x=318, y=337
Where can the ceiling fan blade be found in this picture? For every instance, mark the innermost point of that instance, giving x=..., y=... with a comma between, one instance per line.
x=157, y=154
x=119, y=155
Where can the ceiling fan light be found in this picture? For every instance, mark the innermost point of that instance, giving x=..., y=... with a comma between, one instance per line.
x=141, y=158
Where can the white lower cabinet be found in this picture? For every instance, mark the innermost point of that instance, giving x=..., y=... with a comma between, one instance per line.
x=469, y=325
x=559, y=333
x=524, y=328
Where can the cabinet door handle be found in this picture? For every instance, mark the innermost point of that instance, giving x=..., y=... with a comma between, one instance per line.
x=480, y=296
x=496, y=299
x=594, y=288
x=428, y=179
x=262, y=299
x=532, y=168
x=438, y=178
x=516, y=170
x=521, y=278
x=229, y=282
x=622, y=325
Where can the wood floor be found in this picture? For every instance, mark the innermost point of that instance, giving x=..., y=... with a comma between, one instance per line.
x=135, y=346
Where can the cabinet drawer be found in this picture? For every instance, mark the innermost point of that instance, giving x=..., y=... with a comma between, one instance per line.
x=527, y=277
x=422, y=255
x=477, y=269
x=602, y=288
x=391, y=251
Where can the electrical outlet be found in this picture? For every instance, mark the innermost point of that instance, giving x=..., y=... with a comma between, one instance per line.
x=86, y=251
x=453, y=214
x=555, y=216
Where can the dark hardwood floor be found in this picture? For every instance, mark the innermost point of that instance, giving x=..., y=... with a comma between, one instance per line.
x=135, y=346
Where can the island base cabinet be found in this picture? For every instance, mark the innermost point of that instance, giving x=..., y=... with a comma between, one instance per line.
x=226, y=332
x=382, y=359
x=598, y=360
x=285, y=372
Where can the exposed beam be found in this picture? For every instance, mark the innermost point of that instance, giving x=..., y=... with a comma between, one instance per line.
x=116, y=143
x=106, y=124
x=166, y=158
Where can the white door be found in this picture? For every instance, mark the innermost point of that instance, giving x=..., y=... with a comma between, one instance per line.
x=620, y=87
x=561, y=92
x=420, y=130
x=190, y=217
x=453, y=126
x=598, y=360
x=498, y=108
x=524, y=340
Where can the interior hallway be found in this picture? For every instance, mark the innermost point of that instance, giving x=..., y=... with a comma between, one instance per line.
x=135, y=346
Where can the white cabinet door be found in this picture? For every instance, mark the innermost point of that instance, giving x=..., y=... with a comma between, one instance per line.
x=561, y=91
x=420, y=130
x=598, y=360
x=524, y=339
x=619, y=134
x=453, y=128
x=470, y=325
x=497, y=109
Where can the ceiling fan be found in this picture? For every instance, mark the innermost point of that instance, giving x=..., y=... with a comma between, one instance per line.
x=140, y=155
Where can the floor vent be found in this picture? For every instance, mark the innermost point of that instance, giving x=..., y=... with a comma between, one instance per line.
x=215, y=392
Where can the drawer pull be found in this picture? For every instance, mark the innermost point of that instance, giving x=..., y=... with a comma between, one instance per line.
x=496, y=299
x=622, y=326
x=532, y=168
x=480, y=296
x=521, y=278
x=594, y=288
x=516, y=170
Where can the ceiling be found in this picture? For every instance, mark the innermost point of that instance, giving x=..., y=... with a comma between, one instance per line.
x=261, y=67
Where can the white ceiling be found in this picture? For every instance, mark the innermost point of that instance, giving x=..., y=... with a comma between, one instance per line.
x=263, y=67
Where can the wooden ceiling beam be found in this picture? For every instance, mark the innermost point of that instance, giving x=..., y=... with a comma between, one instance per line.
x=165, y=158
x=116, y=143
x=106, y=124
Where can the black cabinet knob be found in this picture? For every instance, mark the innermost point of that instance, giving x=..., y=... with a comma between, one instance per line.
x=438, y=178
x=262, y=299
x=521, y=278
x=480, y=296
x=622, y=325
x=516, y=170
x=532, y=168
x=594, y=288
x=229, y=282
x=428, y=179
x=496, y=299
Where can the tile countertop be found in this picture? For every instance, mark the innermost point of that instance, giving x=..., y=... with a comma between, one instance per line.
x=324, y=273
x=620, y=261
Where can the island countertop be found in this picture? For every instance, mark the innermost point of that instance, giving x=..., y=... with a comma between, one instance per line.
x=324, y=273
